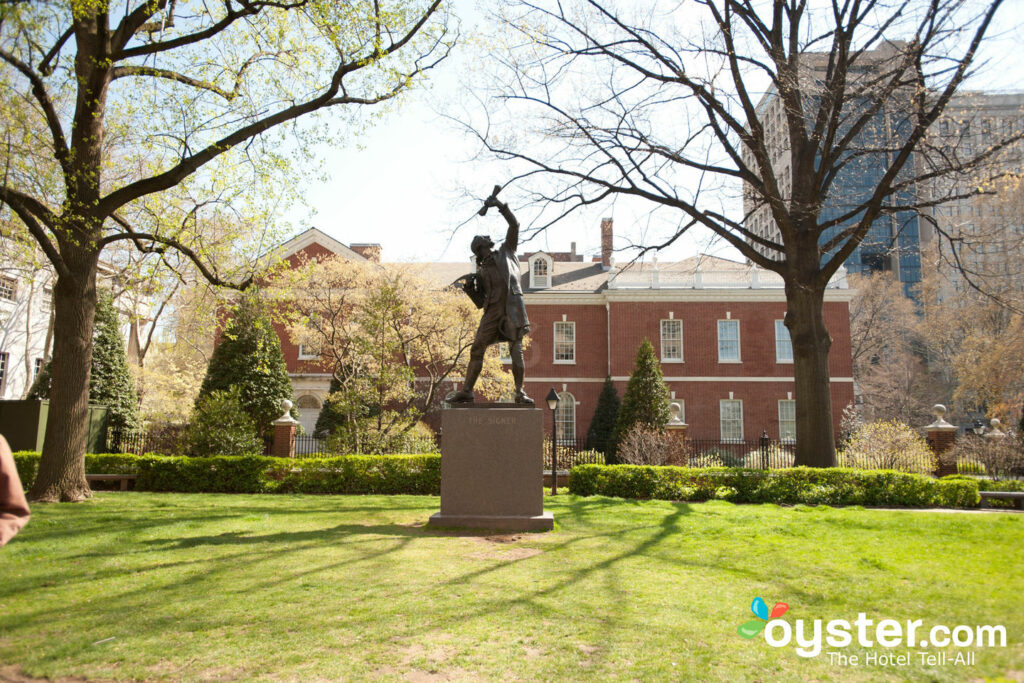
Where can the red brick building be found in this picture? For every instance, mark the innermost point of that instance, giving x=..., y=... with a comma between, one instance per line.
x=716, y=325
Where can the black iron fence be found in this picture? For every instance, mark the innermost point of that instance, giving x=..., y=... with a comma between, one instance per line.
x=570, y=454
x=762, y=454
x=309, y=446
x=164, y=439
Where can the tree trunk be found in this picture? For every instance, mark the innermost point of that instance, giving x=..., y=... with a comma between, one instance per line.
x=61, y=474
x=805, y=319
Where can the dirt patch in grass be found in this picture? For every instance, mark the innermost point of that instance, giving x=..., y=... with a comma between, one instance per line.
x=499, y=547
x=435, y=656
x=13, y=674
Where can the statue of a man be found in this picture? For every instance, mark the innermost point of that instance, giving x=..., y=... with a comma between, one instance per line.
x=495, y=288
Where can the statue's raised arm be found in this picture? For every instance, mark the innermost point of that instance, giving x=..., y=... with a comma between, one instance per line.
x=512, y=236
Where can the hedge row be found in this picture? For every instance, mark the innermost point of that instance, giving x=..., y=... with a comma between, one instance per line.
x=832, y=486
x=387, y=474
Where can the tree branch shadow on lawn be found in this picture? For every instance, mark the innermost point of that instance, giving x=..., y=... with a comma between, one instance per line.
x=404, y=534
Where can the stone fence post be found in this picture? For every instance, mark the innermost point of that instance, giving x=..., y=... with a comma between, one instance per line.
x=941, y=438
x=284, y=433
x=995, y=432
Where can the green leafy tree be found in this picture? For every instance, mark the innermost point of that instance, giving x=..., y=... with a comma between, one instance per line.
x=249, y=357
x=220, y=426
x=601, y=435
x=136, y=124
x=111, y=382
x=646, y=399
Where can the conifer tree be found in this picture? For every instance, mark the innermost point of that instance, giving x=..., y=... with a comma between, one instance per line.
x=111, y=382
x=601, y=435
x=249, y=357
x=646, y=399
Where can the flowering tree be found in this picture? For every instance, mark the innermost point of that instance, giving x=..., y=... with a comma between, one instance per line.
x=392, y=338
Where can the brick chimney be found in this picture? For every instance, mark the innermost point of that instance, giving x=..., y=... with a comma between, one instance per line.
x=606, y=242
x=371, y=252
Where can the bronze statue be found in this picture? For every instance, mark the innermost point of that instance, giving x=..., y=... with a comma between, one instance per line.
x=495, y=288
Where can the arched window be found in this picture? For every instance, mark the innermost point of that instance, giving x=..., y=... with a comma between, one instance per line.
x=540, y=272
x=565, y=419
x=308, y=402
x=309, y=411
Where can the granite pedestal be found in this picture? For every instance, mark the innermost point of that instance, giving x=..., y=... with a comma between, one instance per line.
x=492, y=468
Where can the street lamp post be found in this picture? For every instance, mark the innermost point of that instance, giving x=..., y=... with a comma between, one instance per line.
x=552, y=399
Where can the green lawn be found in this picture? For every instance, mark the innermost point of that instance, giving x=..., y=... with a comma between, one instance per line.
x=200, y=587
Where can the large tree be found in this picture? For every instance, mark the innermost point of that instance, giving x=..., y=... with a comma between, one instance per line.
x=131, y=122
x=670, y=108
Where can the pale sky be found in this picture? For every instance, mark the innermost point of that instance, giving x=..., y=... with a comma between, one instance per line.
x=403, y=186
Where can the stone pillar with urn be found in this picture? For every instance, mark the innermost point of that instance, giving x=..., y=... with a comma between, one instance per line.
x=284, y=433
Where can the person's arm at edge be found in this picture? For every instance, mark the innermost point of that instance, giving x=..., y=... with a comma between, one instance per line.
x=14, y=512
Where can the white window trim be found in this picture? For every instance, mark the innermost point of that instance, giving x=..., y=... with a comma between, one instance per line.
x=785, y=361
x=661, y=332
x=721, y=422
x=565, y=398
x=308, y=356
x=546, y=282
x=787, y=439
x=554, y=342
x=739, y=344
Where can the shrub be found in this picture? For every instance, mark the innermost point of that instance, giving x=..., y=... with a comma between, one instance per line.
x=642, y=445
x=807, y=485
x=350, y=474
x=996, y=457
x=889, y=445
x=220, y=426
x=992, y=485
x=359, y=474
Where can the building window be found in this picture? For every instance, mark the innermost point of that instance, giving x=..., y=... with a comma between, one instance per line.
x=731, y=419
x=787, y=421
x=8, y=287
x=565, y=419
x=3, y=371
x=308, y=352
x=540, y=273
x=783, y=344
x=671, y=341
x=37, y=367
x=728, y=341
x=565, y=342
x=506, y=355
